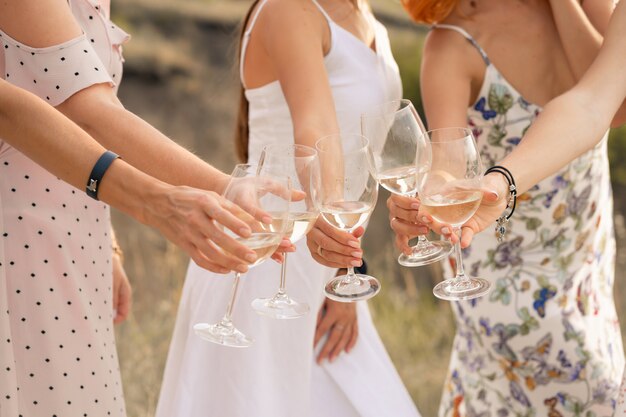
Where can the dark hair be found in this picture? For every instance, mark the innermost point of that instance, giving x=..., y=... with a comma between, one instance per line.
x=241, y=128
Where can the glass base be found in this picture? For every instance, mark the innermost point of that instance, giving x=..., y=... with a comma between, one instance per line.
x=226, y=335
x=455, y=289
x=281, y=306
x=426, y=253
x=347, y=289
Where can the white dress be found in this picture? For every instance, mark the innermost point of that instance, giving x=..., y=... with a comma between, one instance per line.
x=277, y=376
x=57, y=346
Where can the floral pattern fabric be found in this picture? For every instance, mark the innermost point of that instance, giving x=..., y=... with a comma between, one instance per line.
x=546, y=340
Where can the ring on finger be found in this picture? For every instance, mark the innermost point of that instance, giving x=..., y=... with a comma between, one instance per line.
x=338, y=327
x=319, y=251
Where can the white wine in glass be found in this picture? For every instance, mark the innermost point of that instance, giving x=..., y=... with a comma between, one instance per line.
x=400, y=158
x=258, y=195
x=450, y=192
x=300, y=164
x=348, y=194
x=346, y=215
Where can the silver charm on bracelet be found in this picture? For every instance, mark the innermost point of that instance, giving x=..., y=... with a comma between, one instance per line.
x=502, y=221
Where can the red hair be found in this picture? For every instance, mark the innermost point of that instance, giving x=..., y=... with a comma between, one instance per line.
x=429, y=11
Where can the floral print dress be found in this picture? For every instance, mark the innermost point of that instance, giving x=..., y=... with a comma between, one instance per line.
x=546, y=340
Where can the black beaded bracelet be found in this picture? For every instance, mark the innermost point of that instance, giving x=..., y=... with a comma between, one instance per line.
x=510, y=205
x=101, y=166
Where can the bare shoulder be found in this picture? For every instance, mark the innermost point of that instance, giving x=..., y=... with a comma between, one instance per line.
x=289, y=14
x=38, y=23
x=443, y=45
x=448, y=53
x=284, y=23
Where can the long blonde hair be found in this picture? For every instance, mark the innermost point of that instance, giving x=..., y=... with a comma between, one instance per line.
x=242, y=129
x=429, y=11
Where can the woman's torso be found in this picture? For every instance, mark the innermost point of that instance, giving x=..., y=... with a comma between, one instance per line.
x=282, y=355
x=546, y=337
x=359, y=77
x=55, y=254
x=523, y=43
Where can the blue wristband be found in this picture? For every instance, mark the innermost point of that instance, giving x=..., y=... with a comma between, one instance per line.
x=101, y=166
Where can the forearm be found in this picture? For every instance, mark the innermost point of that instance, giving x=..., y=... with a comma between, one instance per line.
x=62, y=148
x=563, y=131
x=140, y=144
x=45, y=136
x=581, y=40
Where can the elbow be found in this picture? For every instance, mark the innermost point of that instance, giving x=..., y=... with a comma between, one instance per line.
x=92, y=107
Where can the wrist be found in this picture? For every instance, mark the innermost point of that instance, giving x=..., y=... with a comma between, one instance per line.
x=132, y=191
x=221, y=181
x=499, y=183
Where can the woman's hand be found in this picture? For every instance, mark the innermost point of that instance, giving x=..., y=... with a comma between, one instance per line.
x=405, y=220
x=339, y=321
x=122, y=291
x=285, y=246
x=334, y=248
x=495, y=190
x=190, y=218
x=495, y=196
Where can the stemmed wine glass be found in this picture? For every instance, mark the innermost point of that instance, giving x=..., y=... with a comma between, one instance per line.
x=348, y=195
x=401, y=155
x=259, y=195
x=450, y=192
x=300, y=164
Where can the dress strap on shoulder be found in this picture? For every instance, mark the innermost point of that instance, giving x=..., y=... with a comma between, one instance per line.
x=467, y=36
x=257, y=12
x=246, y=38
x=322, y=10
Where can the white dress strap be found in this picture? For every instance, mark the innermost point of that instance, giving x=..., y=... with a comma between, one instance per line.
x=246, y=36
x=322, y=11
x=246, y=39
x=467, y=36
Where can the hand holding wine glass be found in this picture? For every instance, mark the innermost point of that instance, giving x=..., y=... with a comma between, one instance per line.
x=267, y=197
x=400, y=157
x=451, y=193
x=300, y=164
x=348, y=193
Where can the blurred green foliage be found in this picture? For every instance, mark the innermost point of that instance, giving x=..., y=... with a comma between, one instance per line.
x=617, y=150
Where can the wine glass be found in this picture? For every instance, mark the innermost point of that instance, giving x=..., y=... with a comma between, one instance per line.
x=400, y=157
x=450, y=192
x=348, y=195
x=300, y=164
x=259, y=196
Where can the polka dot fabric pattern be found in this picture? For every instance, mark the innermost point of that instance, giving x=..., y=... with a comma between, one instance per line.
x=57, y=72
x=57, y=345
x=53, y=73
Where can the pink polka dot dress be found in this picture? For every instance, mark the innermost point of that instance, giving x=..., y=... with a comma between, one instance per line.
x=57, y=345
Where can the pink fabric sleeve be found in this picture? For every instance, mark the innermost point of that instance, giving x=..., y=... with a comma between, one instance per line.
x=53, y=73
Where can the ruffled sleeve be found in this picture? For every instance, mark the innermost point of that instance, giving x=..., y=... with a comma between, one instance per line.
x=53, y=73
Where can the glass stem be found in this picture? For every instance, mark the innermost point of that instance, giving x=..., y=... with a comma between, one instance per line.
x=350, y=275
x=458, y=256
x=233, y=297
x=283, y=277
x=422, y=240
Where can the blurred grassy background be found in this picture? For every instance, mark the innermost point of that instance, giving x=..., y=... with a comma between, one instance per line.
x=181, y=77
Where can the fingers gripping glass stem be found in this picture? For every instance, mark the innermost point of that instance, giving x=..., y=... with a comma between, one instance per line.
x=400, y=157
